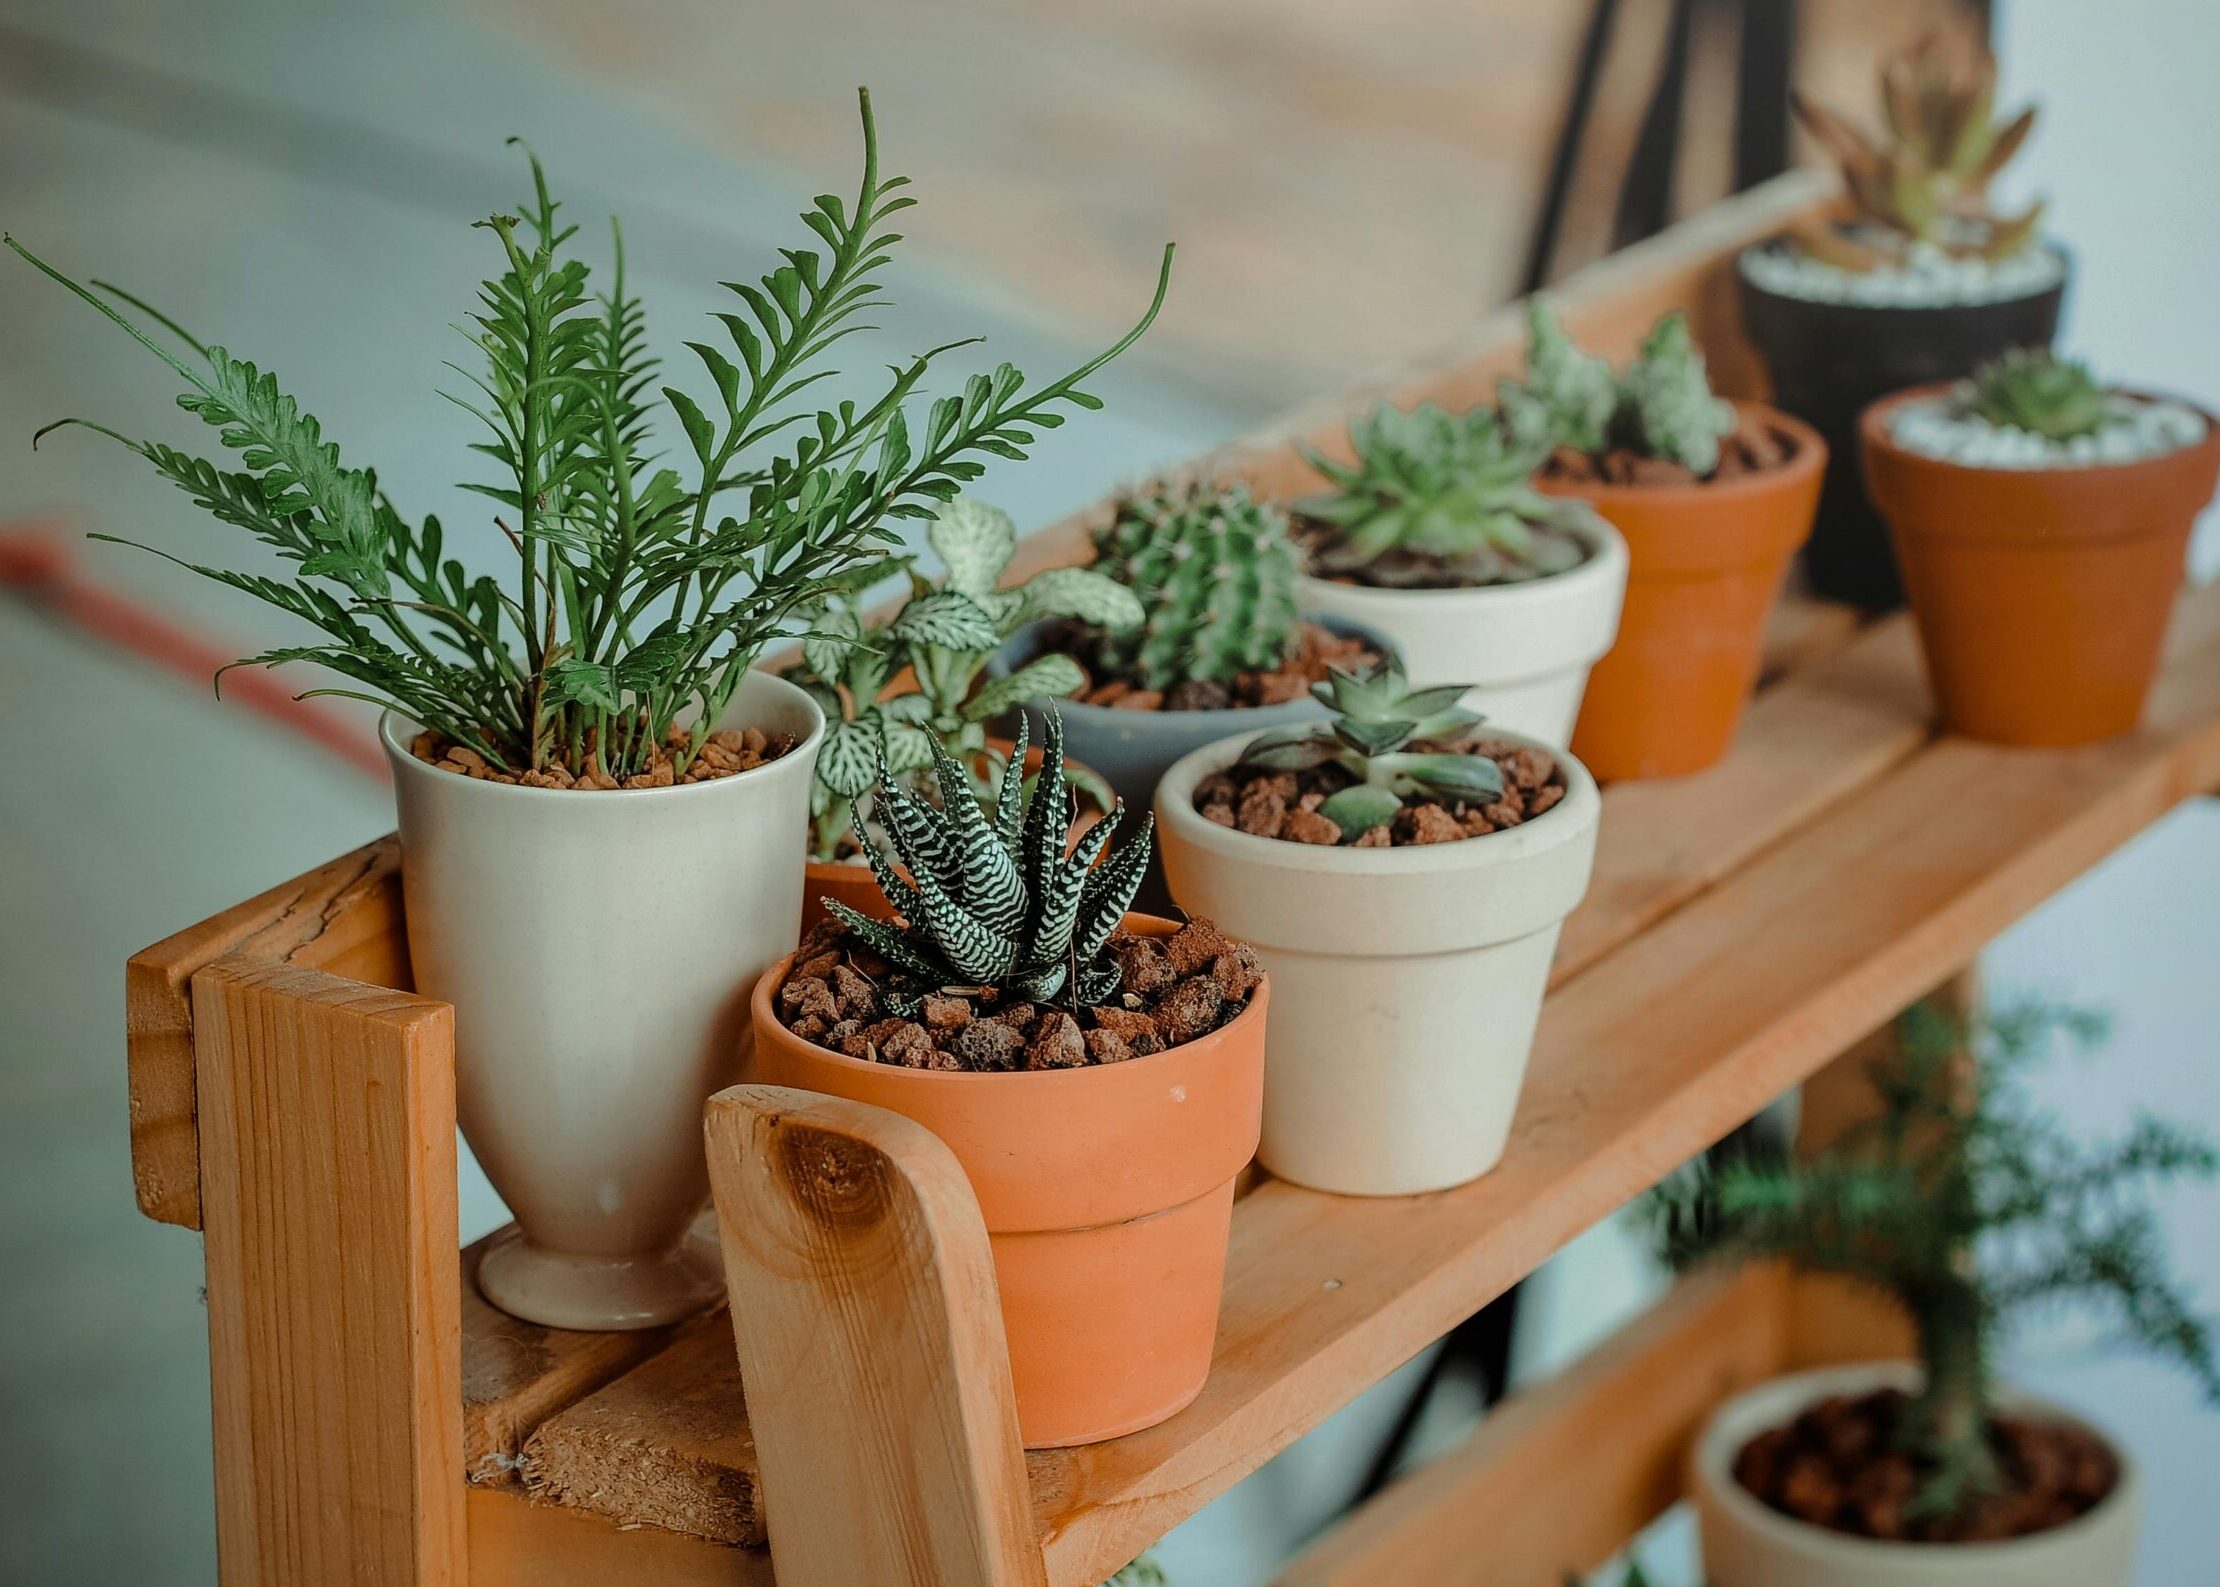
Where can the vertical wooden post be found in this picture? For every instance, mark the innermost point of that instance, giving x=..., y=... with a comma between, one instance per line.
x=327, y=1179
x=871, y=1347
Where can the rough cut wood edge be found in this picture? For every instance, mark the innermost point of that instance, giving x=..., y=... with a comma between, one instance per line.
x=1652, y=1053
x=515, y=1542
x=517, y=1374
x=344, y=917
x=328, y=1144
x=1560, y=1476
x=870, y=1338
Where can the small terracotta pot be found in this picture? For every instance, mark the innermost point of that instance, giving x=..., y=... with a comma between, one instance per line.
x=1704, y=566
x=2041, y=594
x=1107, y=1194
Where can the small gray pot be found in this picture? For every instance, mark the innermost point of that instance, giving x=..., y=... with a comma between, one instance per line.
x=1133, y=749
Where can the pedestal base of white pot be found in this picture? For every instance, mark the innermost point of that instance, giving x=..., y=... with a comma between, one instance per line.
x=561, y=1289
x=1747, y=1543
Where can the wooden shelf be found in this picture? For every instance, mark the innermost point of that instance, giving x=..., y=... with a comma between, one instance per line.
x=1744, y=928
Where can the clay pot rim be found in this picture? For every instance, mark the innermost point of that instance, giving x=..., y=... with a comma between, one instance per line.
x=2050, y=245
x=1712, y=1467
x=406, y=763
x=760, y=1010
x=1810, y=459
x=1175, y=804
x=1606, y=557
x=1874, y=436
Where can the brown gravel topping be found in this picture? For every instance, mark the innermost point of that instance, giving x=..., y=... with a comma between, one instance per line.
x=1754, y=447
x=1171, y=990
x=1837, y=1466
x=729, y=751
x=1284, y=804
x=1317, y=651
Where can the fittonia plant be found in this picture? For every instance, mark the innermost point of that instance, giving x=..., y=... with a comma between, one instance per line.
x=1662, y=406
x=1395, y=741
x=640, y=593
x=2033, y=389
x=945, y=636
x=1215, y=575
x=990, y=900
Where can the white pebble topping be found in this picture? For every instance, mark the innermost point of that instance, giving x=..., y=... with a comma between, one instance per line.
x=1928, y=278
x=1944, y=426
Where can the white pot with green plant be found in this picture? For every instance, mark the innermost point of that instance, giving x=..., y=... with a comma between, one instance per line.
x=592, y=878
x=1402, y=872
x=1965, y=1206
x=1433, y=538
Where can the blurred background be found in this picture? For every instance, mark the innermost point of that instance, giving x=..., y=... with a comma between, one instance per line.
x=1348, y=184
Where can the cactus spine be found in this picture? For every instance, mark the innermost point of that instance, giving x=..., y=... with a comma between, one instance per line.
x=1215, y=572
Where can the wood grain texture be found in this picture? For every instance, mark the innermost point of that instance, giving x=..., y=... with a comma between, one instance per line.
x=515, y=1542
x=870, y=1340
x=344, y=917
x=327, y=1123
x=1561, y=1475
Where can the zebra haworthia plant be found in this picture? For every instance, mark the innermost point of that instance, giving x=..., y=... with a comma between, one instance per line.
x=1374, y=735
x=992, y=901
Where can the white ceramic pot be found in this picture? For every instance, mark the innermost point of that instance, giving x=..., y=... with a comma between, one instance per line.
x=1747, y=1543
x=1525, y=648
x=1406, y=982
x=599, y=948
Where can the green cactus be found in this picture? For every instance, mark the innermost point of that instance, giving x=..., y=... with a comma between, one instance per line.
x=1215, y=572
x=2032, y=389
x=1571, y=393
x=1438, y=498
x=990, y=899
x=1666, y=406
x=1378, y=718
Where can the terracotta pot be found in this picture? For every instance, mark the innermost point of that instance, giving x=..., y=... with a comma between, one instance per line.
x=1107, y=1194
x=1525, y=648
x=598, y=949
x=1747, y=1543
x=1827, y=361
x=2042, y=595
x=1408, y=979
x=1704, y=566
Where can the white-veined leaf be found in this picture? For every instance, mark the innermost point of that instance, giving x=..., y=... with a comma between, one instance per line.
x=1084, y=594
x=948, y=620
x=974, y=541
x=848, y=760
x=1045, y=677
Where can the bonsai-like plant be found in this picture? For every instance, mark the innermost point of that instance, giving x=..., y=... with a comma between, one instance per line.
x=1662, y=405
x=641, y=593
x=1436, y=497
x=1396, y=741
x=2033, y=389
x=1964, y=1206
x=1214, y=573
x=993, y=901
x=1927, y=180
x=945, y=637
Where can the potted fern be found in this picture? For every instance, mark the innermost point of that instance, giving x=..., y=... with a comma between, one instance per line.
x=1097, y=1073
x=2043, y=522
x=1403, y=876
x=1712, y=498
x=1964, y=1206
x=1915, y=277
x=893, y=689
x=1433, y=538
x=1216, y=642
x=599, y=799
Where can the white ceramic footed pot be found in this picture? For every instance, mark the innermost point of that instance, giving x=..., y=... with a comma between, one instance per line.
x=1406, y=982
x=1747, y=1543
x=1525, y=648
x=599, y=948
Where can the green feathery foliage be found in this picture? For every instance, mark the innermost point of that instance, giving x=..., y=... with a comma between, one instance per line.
x=642, y=593
x=1927, y=180
x=1661, y=406
x=946, y=637
x=2033, y=389
x=1378, y=724
x=1215, y=574
x=1434, y=498
x=1143, y=1572
x=991, y=900
x=1965, y=1207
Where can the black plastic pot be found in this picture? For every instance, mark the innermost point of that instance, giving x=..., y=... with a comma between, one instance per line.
x=1829, y=360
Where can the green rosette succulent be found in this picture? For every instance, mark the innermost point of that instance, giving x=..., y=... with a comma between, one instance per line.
x=2032, y=389
x=1214, y=572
